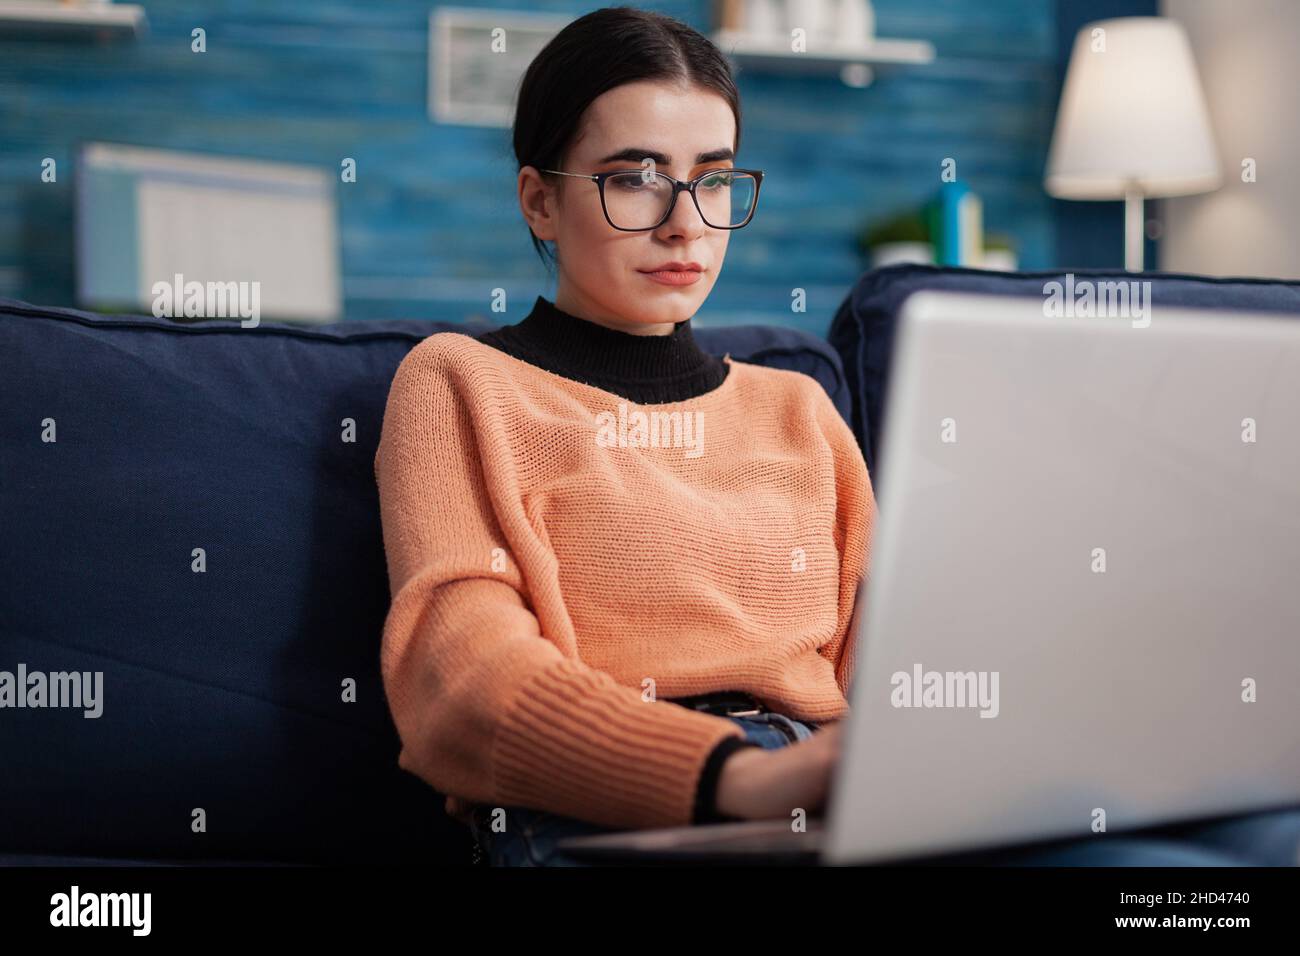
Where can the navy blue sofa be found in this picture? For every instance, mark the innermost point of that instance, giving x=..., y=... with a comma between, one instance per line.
x=223, y=690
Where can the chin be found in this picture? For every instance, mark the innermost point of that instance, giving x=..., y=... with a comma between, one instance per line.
x=674, y=304
x=677, y=311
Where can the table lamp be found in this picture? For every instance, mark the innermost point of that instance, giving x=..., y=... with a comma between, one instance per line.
x=1132, y=122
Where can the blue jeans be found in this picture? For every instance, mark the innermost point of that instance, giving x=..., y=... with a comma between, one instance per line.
x=1259, y=839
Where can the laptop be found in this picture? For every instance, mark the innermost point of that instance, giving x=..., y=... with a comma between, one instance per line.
x=1082, y=615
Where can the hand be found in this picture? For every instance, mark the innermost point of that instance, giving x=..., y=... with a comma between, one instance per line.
x=758, y=784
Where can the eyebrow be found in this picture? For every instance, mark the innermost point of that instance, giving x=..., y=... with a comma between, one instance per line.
x=636, y=154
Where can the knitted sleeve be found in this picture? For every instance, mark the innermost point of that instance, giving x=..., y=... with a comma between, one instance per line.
x=489, y=708
x=855, y=514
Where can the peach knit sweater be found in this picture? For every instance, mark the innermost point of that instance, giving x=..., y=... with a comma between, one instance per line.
x=552, y=582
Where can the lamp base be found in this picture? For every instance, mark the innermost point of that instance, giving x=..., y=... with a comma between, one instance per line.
x=1134, y=240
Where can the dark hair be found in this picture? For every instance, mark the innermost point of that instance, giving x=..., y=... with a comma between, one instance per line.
x=596, y=53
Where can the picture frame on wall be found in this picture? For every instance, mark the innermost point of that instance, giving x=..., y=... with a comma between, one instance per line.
x=477, y=58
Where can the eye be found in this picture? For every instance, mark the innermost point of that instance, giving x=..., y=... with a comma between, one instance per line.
x=722, y=179
x=634, y=182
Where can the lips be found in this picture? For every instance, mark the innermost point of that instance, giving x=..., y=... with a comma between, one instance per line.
x=675, y=273
x=677, y=277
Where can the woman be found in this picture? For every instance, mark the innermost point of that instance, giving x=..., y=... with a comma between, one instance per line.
x=622, y=569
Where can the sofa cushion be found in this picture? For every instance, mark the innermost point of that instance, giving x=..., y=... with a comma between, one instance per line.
x=223, y=690
x=862, y=331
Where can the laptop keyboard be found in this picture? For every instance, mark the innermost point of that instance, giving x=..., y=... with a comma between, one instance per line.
x=753, y=836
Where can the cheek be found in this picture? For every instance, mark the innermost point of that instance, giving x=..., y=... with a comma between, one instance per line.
x=581, y=222
x=718, y=246
x=590, y=238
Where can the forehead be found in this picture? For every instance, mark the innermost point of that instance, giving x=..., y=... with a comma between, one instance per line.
x=679, y=122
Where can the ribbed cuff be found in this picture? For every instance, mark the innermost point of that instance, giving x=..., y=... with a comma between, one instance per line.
x=706, y=810
x=576, y=743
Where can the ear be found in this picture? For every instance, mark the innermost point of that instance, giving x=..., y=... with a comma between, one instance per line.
x=537, y=203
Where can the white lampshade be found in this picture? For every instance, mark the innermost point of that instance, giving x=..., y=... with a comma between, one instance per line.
x=1132, y=116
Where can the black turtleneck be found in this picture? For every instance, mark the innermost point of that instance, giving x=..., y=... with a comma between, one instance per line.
x=646, y=369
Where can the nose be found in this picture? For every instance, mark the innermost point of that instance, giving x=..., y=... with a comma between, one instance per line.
x=684, y=221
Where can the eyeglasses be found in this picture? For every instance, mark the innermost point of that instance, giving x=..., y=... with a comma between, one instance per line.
x=635, y=200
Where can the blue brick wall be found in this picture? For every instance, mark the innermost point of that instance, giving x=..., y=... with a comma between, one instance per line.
x=432, y=225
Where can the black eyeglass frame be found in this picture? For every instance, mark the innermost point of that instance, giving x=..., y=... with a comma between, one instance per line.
x=678, y=187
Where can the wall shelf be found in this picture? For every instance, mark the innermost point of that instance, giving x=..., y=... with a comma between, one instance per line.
x=91, y=21
x=854, y=62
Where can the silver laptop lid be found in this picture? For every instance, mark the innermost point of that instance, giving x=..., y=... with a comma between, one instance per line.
x=1083, y=607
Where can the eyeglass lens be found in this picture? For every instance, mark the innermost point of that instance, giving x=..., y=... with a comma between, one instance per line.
x=637, y=200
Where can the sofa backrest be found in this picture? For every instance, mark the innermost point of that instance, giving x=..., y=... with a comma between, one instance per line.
x=863, y=329
x=250, y=453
